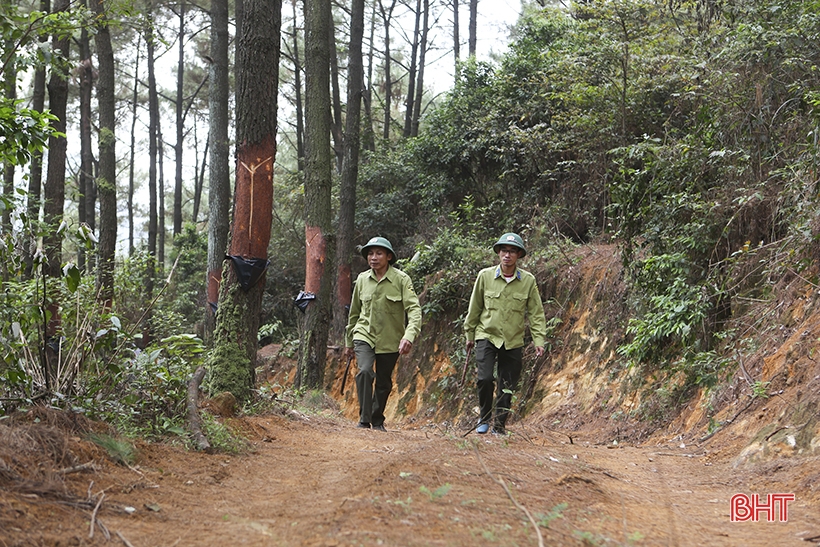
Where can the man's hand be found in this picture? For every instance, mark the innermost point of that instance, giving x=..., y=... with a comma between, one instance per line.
x=405, y=346
x=470, y=344
x=539, y=351
x=349, y=353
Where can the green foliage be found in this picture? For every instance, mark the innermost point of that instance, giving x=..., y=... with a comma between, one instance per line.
x=25, y=132
x=445, y=270
x=183, y=301
x=671, y=310
x=387, y=203
x=129, y=286
x=556, y=512
x=760, y=390
x=146, y=396
x=222, y=438
x=436, y=494
x=286, y=274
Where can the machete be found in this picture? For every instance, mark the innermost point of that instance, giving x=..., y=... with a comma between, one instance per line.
x=466, y=362
x=344, y=378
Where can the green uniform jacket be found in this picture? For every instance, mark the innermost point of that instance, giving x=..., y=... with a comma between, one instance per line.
x=497, y=309
x=378, y=310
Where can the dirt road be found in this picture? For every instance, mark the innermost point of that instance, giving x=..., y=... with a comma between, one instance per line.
x=319, y=481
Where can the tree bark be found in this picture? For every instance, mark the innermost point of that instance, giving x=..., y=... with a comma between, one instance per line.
x=318, y=240
x=38, y=101
x=233, y=360
x=350, y=171
x=456, y=39
x=106, y=183
x=219, y=193
x=10, y=92
x=86, y=175
x=473, y=27
x=54, y=191
x=178, y=147
x=160, y=199
x=200, y=179
x=153, y=124
x=54, y=194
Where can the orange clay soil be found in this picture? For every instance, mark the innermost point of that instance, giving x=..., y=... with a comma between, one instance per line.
x=319, y=481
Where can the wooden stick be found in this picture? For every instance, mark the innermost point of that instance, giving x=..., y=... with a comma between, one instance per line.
x=127, y=543
x=77, y=468
x=94, y=516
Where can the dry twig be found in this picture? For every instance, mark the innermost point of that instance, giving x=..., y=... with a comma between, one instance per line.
x=127, y=543
x=94, y=516
x=509, y=494
x=77, y=468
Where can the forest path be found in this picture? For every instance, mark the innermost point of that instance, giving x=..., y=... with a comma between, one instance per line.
x=319, y=481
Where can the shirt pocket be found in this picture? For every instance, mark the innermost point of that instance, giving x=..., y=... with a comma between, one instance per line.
x=519, y=302
x=367, y=304
x=492, y=300
x=393, y=304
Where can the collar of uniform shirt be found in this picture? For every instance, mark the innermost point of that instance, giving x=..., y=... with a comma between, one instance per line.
x=499, y=274
x=389, y=274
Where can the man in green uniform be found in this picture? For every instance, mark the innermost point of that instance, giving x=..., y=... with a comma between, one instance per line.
x=377, y=332
x=502, y=296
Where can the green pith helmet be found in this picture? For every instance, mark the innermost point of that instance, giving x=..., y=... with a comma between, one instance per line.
x=379, y=242
x=513, y=240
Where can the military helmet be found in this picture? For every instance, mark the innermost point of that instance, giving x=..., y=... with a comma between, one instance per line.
x=379, y=242
x=512, y=239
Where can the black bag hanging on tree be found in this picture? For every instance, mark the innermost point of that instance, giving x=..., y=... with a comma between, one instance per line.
x=248, y=270
x=303, y=299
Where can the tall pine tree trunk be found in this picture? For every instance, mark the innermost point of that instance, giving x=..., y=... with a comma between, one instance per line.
x=387, y=17
x=153, y=125
x=179, y=123
x=160, y=199
x=9, y=92
x=233, y=359
x=473, y=27
x=106, y=183
x=219, y=192
x=456, y=39
x=54, y=194
x=410, y=101
x=35, y=180
x=350, y=171
x=336, y=123
x=318, y=239
x=133, y=150
x=200, y=179
x=369, y=137
x=425, y=28
x=86, y=175
x=300, y=115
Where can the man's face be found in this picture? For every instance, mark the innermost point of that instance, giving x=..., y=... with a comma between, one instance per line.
x=508, y=255
x=378, y=258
